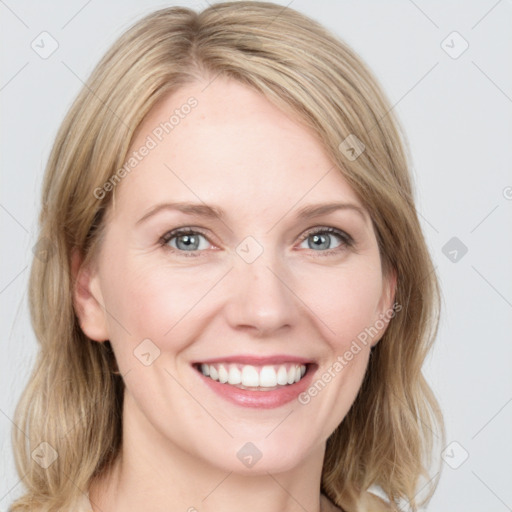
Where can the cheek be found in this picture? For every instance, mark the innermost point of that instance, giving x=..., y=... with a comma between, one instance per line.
x=346, y=301
x=346, y=308
x=155, y=301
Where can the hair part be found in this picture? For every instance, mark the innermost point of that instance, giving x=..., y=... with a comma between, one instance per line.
x=73, y=401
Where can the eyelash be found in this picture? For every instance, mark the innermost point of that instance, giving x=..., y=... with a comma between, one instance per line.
x=346, y=240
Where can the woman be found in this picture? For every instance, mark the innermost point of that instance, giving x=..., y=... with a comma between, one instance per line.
x=238, y=298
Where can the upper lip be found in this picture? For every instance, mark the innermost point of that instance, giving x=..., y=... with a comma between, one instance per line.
x=257, y=360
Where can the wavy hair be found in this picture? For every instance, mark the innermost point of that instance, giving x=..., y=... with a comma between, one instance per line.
x=73, y=399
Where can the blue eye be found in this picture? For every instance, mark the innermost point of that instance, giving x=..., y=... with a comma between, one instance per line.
x=322, y=239
x=186, y=240
x=191, y=242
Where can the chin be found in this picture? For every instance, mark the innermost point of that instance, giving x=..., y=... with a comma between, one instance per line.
x=258, y=455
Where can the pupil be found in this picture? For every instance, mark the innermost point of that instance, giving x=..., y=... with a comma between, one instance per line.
x=189, y=241
x=324, y=241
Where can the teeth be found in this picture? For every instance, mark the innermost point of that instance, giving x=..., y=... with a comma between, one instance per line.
x=214, y=374
x=268, y=377
x=282, y=376
x=223, y=374
x=291, y=375
x=249, y=376
x=235, y=375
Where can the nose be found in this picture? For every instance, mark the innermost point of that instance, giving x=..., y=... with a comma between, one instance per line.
x=261, y=298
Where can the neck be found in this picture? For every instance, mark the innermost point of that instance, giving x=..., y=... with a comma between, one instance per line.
x=153, y=473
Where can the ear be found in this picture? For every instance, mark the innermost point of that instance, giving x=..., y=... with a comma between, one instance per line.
x=385, y=309
x=87, y=299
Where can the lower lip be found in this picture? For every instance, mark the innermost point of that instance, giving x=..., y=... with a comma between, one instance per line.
x=260, y=399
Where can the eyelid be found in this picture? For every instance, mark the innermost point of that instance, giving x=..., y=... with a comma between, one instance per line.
x=328, y=229
x=185, y=230
x=347, y=241
x=168, y=235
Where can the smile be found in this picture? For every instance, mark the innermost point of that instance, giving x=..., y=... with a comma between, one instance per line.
x=247, y=376
x=255, y=381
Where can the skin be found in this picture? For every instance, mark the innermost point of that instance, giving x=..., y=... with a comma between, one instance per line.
x=239, y=152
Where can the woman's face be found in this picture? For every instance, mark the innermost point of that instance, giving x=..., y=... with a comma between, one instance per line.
x=265, y=284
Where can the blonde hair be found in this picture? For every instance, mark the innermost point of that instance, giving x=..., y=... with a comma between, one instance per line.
x=73, y=400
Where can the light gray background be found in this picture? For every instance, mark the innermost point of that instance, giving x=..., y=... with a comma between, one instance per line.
x=457, y=113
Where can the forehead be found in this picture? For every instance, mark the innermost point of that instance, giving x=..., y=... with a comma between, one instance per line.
x=233, y=147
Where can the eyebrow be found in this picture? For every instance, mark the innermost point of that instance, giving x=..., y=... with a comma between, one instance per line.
x=214, y=212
